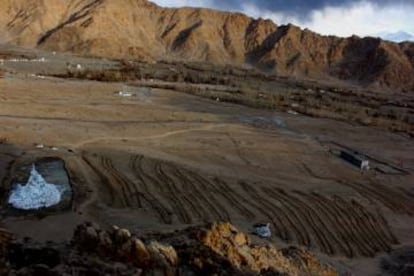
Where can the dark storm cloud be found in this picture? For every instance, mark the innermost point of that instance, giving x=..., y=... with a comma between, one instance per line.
x=299, y=7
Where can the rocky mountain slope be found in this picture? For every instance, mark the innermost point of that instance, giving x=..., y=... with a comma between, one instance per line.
x=216, y=249
x=140, y=29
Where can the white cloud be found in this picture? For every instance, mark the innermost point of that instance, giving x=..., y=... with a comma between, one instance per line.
x=183, y=3
x=361, y=18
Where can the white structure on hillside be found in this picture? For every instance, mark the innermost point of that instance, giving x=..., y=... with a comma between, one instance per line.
x=124, y=94
x=35, y=194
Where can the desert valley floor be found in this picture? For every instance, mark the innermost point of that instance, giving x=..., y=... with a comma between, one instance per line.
x=161, y=160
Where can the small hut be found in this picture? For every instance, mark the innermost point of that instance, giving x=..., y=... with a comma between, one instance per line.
x=355, y=159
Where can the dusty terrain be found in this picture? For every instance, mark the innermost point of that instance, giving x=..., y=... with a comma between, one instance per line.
x=163, y=160
x=139, y=29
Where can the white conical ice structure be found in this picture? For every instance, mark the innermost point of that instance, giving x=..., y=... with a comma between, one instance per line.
x=36, y=194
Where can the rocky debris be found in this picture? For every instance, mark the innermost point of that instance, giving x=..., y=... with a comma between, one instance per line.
x=235, y=246
x=119, y=243
x=216, y=249
x=309, y=264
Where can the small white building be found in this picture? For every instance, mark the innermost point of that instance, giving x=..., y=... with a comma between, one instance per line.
x=124, y=94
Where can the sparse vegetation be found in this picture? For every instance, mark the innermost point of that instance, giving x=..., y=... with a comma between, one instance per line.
x=255, y=89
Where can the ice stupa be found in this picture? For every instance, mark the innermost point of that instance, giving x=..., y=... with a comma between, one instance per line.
x=35, y=194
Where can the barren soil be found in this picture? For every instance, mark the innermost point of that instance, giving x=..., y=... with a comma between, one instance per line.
x=165, y=160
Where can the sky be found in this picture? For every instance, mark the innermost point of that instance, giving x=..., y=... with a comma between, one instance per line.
x=389, y=19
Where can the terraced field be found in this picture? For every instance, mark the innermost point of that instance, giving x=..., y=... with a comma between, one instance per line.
x=168, y=160
x=176, y=194
x=399, y=201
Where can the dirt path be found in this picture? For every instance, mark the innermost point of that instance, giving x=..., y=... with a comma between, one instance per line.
x=156, y=136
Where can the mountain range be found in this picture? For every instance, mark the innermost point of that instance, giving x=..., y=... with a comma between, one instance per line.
x=399, y=36
x=139, y=29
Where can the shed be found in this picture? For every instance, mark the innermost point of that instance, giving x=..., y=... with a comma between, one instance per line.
x=355, y=159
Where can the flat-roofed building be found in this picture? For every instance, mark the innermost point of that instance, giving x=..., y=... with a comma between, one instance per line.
x=356, y=159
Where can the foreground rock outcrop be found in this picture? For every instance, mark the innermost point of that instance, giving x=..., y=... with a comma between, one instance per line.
x=142, y=30
x=217, y=249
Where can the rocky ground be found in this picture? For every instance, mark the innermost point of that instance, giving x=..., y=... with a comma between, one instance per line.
x=216, y=249
x=158, y=158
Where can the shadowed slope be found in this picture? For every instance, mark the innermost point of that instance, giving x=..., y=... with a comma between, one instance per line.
x=140, y=29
